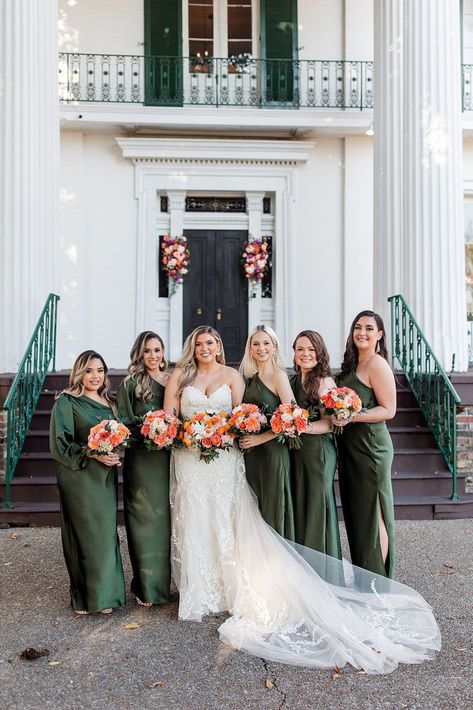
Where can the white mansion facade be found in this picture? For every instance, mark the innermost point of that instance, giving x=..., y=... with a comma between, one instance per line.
x=339, y=129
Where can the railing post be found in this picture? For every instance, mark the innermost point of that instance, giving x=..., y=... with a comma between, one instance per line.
x=25, y=389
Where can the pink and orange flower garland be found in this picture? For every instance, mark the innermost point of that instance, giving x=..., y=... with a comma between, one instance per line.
x=255, y=260
x=175, y=260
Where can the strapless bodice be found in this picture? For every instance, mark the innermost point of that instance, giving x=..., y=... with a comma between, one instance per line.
x=193, y=400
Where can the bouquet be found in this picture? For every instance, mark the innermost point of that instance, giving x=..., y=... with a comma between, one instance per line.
x=107, y=437
x=246, y=419
x=342, y=403
x=255, y=259
x=160, y=429
x=175, y=260
x=290, y=421
x=209, y=432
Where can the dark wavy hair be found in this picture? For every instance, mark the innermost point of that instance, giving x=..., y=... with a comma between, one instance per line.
x=350, y=357
x=136, y=369
x=312, y=379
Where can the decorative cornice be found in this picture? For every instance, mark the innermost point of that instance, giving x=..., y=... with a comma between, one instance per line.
x=198, y=151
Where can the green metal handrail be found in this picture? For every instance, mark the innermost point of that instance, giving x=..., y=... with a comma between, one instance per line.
x=429, y=382
x=24, y=392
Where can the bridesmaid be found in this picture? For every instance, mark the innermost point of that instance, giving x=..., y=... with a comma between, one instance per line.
x=267, y=461
x=87, y=489
x=313, y=465
x=146, y=474
x=365, y=447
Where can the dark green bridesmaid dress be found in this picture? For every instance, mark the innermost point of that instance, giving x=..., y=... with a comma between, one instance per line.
x=312, y=474
x=88, y=495
x=366, y=455
x=268, y=467
x=146, y=500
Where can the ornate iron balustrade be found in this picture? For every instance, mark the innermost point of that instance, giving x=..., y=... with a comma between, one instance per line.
x=430, y=384
x=209, y=81
x=24, y=392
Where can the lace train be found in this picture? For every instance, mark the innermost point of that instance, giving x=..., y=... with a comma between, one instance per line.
x=287, y=603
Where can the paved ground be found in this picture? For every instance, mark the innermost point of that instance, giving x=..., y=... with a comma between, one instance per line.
x=97, y=662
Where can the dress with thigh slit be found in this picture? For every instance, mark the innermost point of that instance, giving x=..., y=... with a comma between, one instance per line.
x=366, y=455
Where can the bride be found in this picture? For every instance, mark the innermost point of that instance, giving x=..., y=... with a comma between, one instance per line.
x=281, y=597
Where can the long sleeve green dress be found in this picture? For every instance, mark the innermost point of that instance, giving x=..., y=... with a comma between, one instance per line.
x=88, y=495
x=146, y=500
x=268, y=466
x=366, y=455
x=312, y=474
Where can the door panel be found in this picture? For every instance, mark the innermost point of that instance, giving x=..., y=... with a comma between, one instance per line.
x=215, y=292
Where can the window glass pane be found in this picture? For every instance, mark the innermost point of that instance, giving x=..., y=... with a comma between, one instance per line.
x=236, y=47
x=239, y=22
x=200, y=22
x=200, y=47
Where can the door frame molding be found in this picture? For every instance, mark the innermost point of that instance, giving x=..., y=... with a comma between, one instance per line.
x=176, y=167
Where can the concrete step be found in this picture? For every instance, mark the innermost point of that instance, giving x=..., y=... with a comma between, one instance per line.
x=39, y=489
x=412, y=437
x=408, y=417
x=419, y=459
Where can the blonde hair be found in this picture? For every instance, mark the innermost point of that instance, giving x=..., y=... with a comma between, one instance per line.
x=137, y=370
x=248, y=365
x=76, y=388
x=187, y=362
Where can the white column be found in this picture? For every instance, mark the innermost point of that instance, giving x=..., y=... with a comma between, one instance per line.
x=254, y=208
x=433, y=240
x=29, y=168
x=388, y=147
x=177, y=206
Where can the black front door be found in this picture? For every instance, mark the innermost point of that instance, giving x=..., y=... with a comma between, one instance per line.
x=215, y=291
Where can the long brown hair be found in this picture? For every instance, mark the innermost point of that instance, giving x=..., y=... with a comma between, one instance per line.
x=350, y=357
x=137, y=370
x=75, y=387
x=187, y=362
x=311, y=382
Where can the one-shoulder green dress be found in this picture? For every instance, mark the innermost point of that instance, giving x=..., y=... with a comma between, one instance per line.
x=312, y=474
x=366, y=455
x=146, y=500
x=268, y=466
x=88, y=495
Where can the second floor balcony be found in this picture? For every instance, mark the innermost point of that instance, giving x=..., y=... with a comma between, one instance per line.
x=215, y=82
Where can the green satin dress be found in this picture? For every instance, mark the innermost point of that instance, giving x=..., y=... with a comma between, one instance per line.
x=146, y=500
x=268, y=467
x=88, y=495
x=366, y=455
x=312, y=474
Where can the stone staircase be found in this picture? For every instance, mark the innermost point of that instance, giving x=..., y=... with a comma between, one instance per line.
x=421, y=481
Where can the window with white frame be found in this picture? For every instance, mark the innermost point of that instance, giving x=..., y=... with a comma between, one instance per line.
x=221, y=28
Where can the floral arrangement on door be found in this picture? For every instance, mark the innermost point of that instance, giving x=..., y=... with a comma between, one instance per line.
x=175, y=260
x=255, y=260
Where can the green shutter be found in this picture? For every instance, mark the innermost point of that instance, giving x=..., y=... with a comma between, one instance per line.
x=163, y=50
x=279, y=50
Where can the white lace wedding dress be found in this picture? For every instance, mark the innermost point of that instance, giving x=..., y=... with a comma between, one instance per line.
x=283, y=603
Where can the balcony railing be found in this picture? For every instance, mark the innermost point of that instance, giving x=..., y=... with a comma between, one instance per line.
x=203, y=81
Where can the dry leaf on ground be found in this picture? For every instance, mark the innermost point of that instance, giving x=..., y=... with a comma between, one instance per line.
x=336, y=676
x=461, y=648
x=54, y=663
x=157, y=683
x=13, y=536
x=268, y=684
x=132, y=625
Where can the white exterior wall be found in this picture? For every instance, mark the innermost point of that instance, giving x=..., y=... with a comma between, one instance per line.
x=101, y=27
x=331, y=228
x=97, y=249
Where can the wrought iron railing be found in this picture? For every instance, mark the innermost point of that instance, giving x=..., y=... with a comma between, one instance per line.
x=429, y=382
x=24, y=392
x=209, y=81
